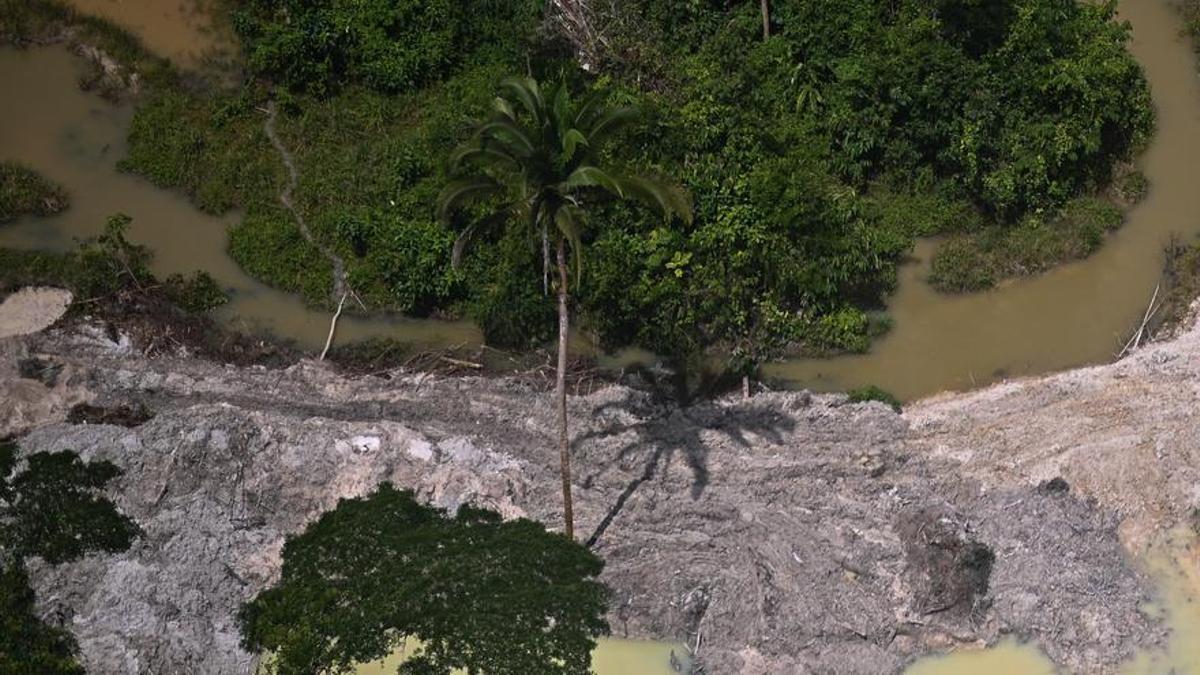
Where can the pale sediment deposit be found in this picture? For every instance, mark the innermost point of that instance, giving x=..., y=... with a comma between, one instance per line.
x=790, y=533
x=30, y=310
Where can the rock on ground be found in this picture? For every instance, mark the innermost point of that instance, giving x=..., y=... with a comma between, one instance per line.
x=786, y=534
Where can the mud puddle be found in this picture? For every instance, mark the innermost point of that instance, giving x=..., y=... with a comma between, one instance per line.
x=1174, y=564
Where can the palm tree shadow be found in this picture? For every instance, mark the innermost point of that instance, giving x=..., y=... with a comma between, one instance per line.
x=681, y=432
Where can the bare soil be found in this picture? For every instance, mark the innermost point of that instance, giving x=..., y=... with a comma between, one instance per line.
x=30, y=310
x=790, y=533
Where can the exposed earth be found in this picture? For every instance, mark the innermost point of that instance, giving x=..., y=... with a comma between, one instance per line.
x=30, y=310
x=790, y=533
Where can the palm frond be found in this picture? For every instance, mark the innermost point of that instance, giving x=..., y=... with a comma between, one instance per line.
x=472, y=153
x=502, y=128
x=560, y=111
x=571, y=141
x=503, y=107
x=608, y=122
x=593, y=176
x=464, y=191
x=569, y=220
x=591, y=105
x=525, y=90
x=670, y=199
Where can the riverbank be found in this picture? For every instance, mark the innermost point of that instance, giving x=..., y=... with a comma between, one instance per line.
x=785, y=533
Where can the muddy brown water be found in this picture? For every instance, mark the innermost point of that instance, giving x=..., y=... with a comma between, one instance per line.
x=181, y=30
x=1075, y=315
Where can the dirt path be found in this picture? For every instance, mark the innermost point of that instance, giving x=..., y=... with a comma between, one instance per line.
x=341, y=287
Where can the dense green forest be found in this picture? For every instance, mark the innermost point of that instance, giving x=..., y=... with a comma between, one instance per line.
x=813, y=156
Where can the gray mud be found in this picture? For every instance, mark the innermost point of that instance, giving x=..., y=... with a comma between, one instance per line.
x=786, y=534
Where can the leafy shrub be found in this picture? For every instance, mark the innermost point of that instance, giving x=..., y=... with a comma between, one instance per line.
x=507, y=299
x=196, y=293
x=25, y=192
x=980, y=260
x=384, y=44
x=99, y=267
x=873, y=393
x=269, y=246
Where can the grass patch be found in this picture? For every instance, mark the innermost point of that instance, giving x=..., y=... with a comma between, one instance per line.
x=873, y=393
x=24, y=191
x=980, y=260
x=269, y=247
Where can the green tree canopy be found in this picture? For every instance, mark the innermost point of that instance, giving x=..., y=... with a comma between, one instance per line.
x=388, y=45
x=482, y=594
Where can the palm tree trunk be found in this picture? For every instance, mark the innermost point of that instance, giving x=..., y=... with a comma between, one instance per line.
x=564, y=443
x=766, y=14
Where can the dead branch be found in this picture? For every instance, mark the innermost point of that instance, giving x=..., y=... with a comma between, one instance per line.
x=333, y=327
x=1135, y=340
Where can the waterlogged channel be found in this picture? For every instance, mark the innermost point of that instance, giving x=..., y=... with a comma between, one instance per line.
x=1074, y=315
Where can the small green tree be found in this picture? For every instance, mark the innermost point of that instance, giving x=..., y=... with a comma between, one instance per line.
x=479, y=593
x=542, y=153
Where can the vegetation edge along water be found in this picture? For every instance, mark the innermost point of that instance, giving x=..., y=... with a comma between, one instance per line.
x=812, y=166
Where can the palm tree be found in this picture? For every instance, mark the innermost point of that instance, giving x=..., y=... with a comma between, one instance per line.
x=540, y=152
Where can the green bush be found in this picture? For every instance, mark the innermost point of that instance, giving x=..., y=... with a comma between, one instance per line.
x=980, y=260
x=196, y=293
x=99, y=267
x=25, y=192
x=873, y=393
x=387, y=45
x=270, y=247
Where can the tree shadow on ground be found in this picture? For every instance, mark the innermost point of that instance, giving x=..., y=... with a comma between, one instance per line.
x=679, y=431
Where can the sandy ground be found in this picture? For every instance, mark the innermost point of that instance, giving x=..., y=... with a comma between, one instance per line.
x=30, y=310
